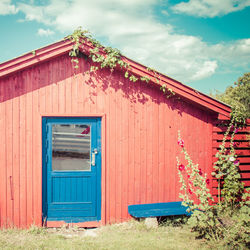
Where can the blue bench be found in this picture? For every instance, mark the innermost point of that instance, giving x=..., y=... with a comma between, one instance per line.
x=157, y=209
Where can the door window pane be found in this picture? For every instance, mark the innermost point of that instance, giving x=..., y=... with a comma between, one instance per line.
x=71, y=145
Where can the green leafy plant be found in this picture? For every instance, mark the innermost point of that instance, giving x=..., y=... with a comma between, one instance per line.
x=237, y=96
x=196, y=195
x=106, y=57
x=174, y=221
x=194, y=182
x=225, y=225
x=145, y=79
x=226, y=169
x=167, y=91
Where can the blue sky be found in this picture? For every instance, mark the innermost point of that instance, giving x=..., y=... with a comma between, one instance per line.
x=204, y=44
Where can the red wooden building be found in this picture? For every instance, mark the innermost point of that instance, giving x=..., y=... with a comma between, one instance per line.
x=79, y=148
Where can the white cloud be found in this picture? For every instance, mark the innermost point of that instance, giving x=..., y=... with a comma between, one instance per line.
x=205, y=70
x=210, y=8
x=7, y=8
x=234, y=54
x=131, y=27
x=43, y=32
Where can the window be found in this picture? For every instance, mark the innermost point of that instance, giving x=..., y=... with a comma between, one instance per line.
x=71, y=145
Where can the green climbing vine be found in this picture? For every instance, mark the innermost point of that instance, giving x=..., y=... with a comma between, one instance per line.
x=168, y=91
x=107, y=57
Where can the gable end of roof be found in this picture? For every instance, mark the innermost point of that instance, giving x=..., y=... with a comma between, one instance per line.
x=63, y=47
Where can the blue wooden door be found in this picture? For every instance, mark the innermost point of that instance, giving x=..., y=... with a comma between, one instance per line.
x=72, y=169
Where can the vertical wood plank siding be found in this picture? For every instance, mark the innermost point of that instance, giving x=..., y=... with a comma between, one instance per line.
x=140, y=131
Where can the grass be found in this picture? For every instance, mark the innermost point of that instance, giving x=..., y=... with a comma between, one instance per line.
x=130, y=235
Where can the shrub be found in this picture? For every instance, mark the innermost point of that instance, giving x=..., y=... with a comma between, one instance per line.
x=226, y=170
x=227, y=222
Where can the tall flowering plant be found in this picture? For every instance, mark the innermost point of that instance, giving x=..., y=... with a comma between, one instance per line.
x=195, y=194
x=226, y=168
x=216, y=222
x=194, y=183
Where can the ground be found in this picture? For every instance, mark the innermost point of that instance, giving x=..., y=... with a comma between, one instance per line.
x=129, y=235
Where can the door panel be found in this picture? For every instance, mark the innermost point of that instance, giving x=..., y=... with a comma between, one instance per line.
x=72, y=169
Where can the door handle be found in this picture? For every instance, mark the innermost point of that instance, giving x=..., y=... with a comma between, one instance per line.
x=93, y=157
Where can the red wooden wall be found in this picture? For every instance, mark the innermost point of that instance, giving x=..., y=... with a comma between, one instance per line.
x=242, y=150
x=139, y=146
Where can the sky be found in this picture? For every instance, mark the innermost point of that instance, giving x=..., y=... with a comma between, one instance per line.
x=204, y=44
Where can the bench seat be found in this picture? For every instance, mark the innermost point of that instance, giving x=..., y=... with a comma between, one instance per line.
x=157, y=209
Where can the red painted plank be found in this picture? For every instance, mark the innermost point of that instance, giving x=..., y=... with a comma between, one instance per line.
x=246, y=183
x=161, y=151
x=169, y=131
x=67, y=81
x=23, y=145
x=131, y=152
x=237, y=137
x=48, y=89
x=3, y=169
x=173, y=150
x=155, y=148
x=118, y=160
x=61, y=86
x=108, y=160
x=42, y=82
x=137, y=173
x=244, y=167
x=223, y=117
x=239, y=152
x=100, y=99
x=16, y=154
x=143, y=147
x=29, y=156
x=9, y=153
x=55, y=96
x=124, y=158
x=210, y=150
x=100, y=108
x=245, y=175
x=104, y=171
x=237, y=144
x=241, y=159
x=36, y=150
x=80, y=99
x=224, y=129
x=149, y=147
x=112, y=160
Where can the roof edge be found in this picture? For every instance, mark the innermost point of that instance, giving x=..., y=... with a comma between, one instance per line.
x=181, y=89
x=34, y=57
x=64, y=46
